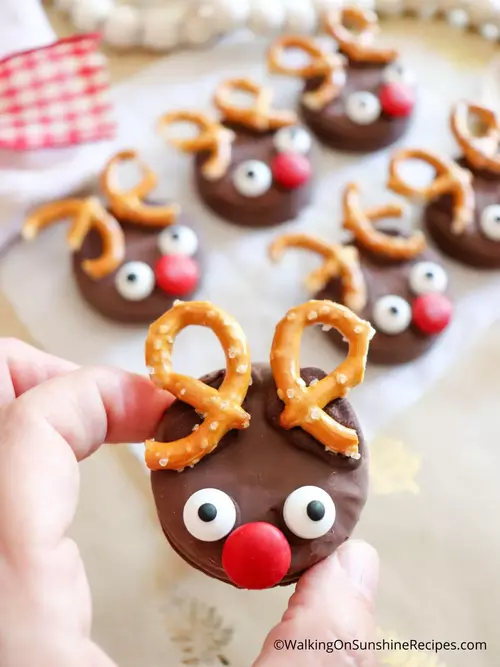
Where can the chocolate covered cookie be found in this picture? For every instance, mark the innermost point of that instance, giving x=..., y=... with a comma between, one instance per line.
x=393, y=280
x=463, y=211
x=133, y=261
x=253, y=166
x=360, y=99
x=258, y=473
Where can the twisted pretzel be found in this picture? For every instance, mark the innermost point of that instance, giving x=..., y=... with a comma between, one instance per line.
x=212, y=137
x=87, y=214
x=221, y=407
x=129, y=204
x=355, y=29
x=257, y=117
x=329, y=66
x=481, y=150
x=304, y=406
x=450, y=179
x=361, y=222
x=342, y=261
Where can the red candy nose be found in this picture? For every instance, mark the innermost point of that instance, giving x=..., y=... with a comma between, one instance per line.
x=256, y=556
x=291, y=170
x=397, y=99
x=177, y=274
x=432, y=313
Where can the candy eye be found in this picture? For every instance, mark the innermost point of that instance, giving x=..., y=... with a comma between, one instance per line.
x=428, y=277
x=392, y=315
x=178, y=240
x=490, y=222
x=363, y=108
x=135, y=281
x=209, y=515
x=398, y=73
x=252, y=178
x=293, y=140
x=309, y=512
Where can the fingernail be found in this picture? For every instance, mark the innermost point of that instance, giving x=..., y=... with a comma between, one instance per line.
x=360, y=562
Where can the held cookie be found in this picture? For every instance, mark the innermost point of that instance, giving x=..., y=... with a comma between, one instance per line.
x=133, y=261
x=394, y=281
x=360, y=99
x=220, y=451
x=463, y=212
x=253, y=166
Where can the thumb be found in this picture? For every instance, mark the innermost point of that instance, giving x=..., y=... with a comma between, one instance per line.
x=332, y=606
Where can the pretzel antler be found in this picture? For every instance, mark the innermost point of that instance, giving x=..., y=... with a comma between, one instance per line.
x=361, y=223
x=481, y=149
x=129, y=205
x=212, y=137
x=221, y=407
x=329, y=66
x=260, y=116
x=304, y=406
x=355, y=29
x=449, y=179
x=342, y=261
x=87, y=214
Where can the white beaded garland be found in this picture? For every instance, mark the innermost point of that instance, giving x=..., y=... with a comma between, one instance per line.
x=489, y=31
x=458, y=18
x=122, y=27
x=390, y=7
x=89, y=15
x=266, y=17
x=200, y=24
x=162, y=27
x=301, y=17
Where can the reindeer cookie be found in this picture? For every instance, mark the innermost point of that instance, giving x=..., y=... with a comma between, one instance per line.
x=360, y=99
x=218, y=458
x=133, y=261
x=253, y=166
x=394, y=281
x=463, y=212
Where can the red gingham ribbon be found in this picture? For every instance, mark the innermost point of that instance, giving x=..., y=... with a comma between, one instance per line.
x=55, y=96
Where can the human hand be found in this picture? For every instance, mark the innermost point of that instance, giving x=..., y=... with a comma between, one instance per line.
x=53, y=415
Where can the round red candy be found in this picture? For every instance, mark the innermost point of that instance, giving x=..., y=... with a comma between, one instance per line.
x=397, y=100
x=256, y=556
x=177, y=275
x=432, y=313
x=291, y=170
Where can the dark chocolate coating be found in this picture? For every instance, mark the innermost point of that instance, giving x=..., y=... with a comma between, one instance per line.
x=334, y=129
x=258, y=468
x=384, y=277
x=274, y=207
x=472, y=247
x=141, y=244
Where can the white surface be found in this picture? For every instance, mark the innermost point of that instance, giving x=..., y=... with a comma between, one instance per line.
x=37, y=277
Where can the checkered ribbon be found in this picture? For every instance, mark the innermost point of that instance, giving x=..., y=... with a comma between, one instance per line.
x=55, y=96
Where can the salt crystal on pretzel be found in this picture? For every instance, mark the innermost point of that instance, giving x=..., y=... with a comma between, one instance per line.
x=221, y=408
x=86, y=214
x=304, y=406
x=212, y=138
x=361, y=223
x=481, y=149
x=355, y=29
x=129, y=204
x=259, y=116
x=449, y=178
x=327, y=66
x=341, y=261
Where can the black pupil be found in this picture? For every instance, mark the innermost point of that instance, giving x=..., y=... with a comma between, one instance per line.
x=131, y=277
x=429, y=275
x=175, y=236
x=315, y=510
x=207, y=512
x=393, y=310
x=250, y=173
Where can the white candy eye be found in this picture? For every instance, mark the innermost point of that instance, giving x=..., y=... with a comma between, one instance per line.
x=427, y=277
x=398, y=73
x=490, y=222
x=363, y=108
x=392, y=314
x=135, y=281
x=209, y=515
x=309, y=512
x=252, y=178
x=178, y=240
x=293, y=140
